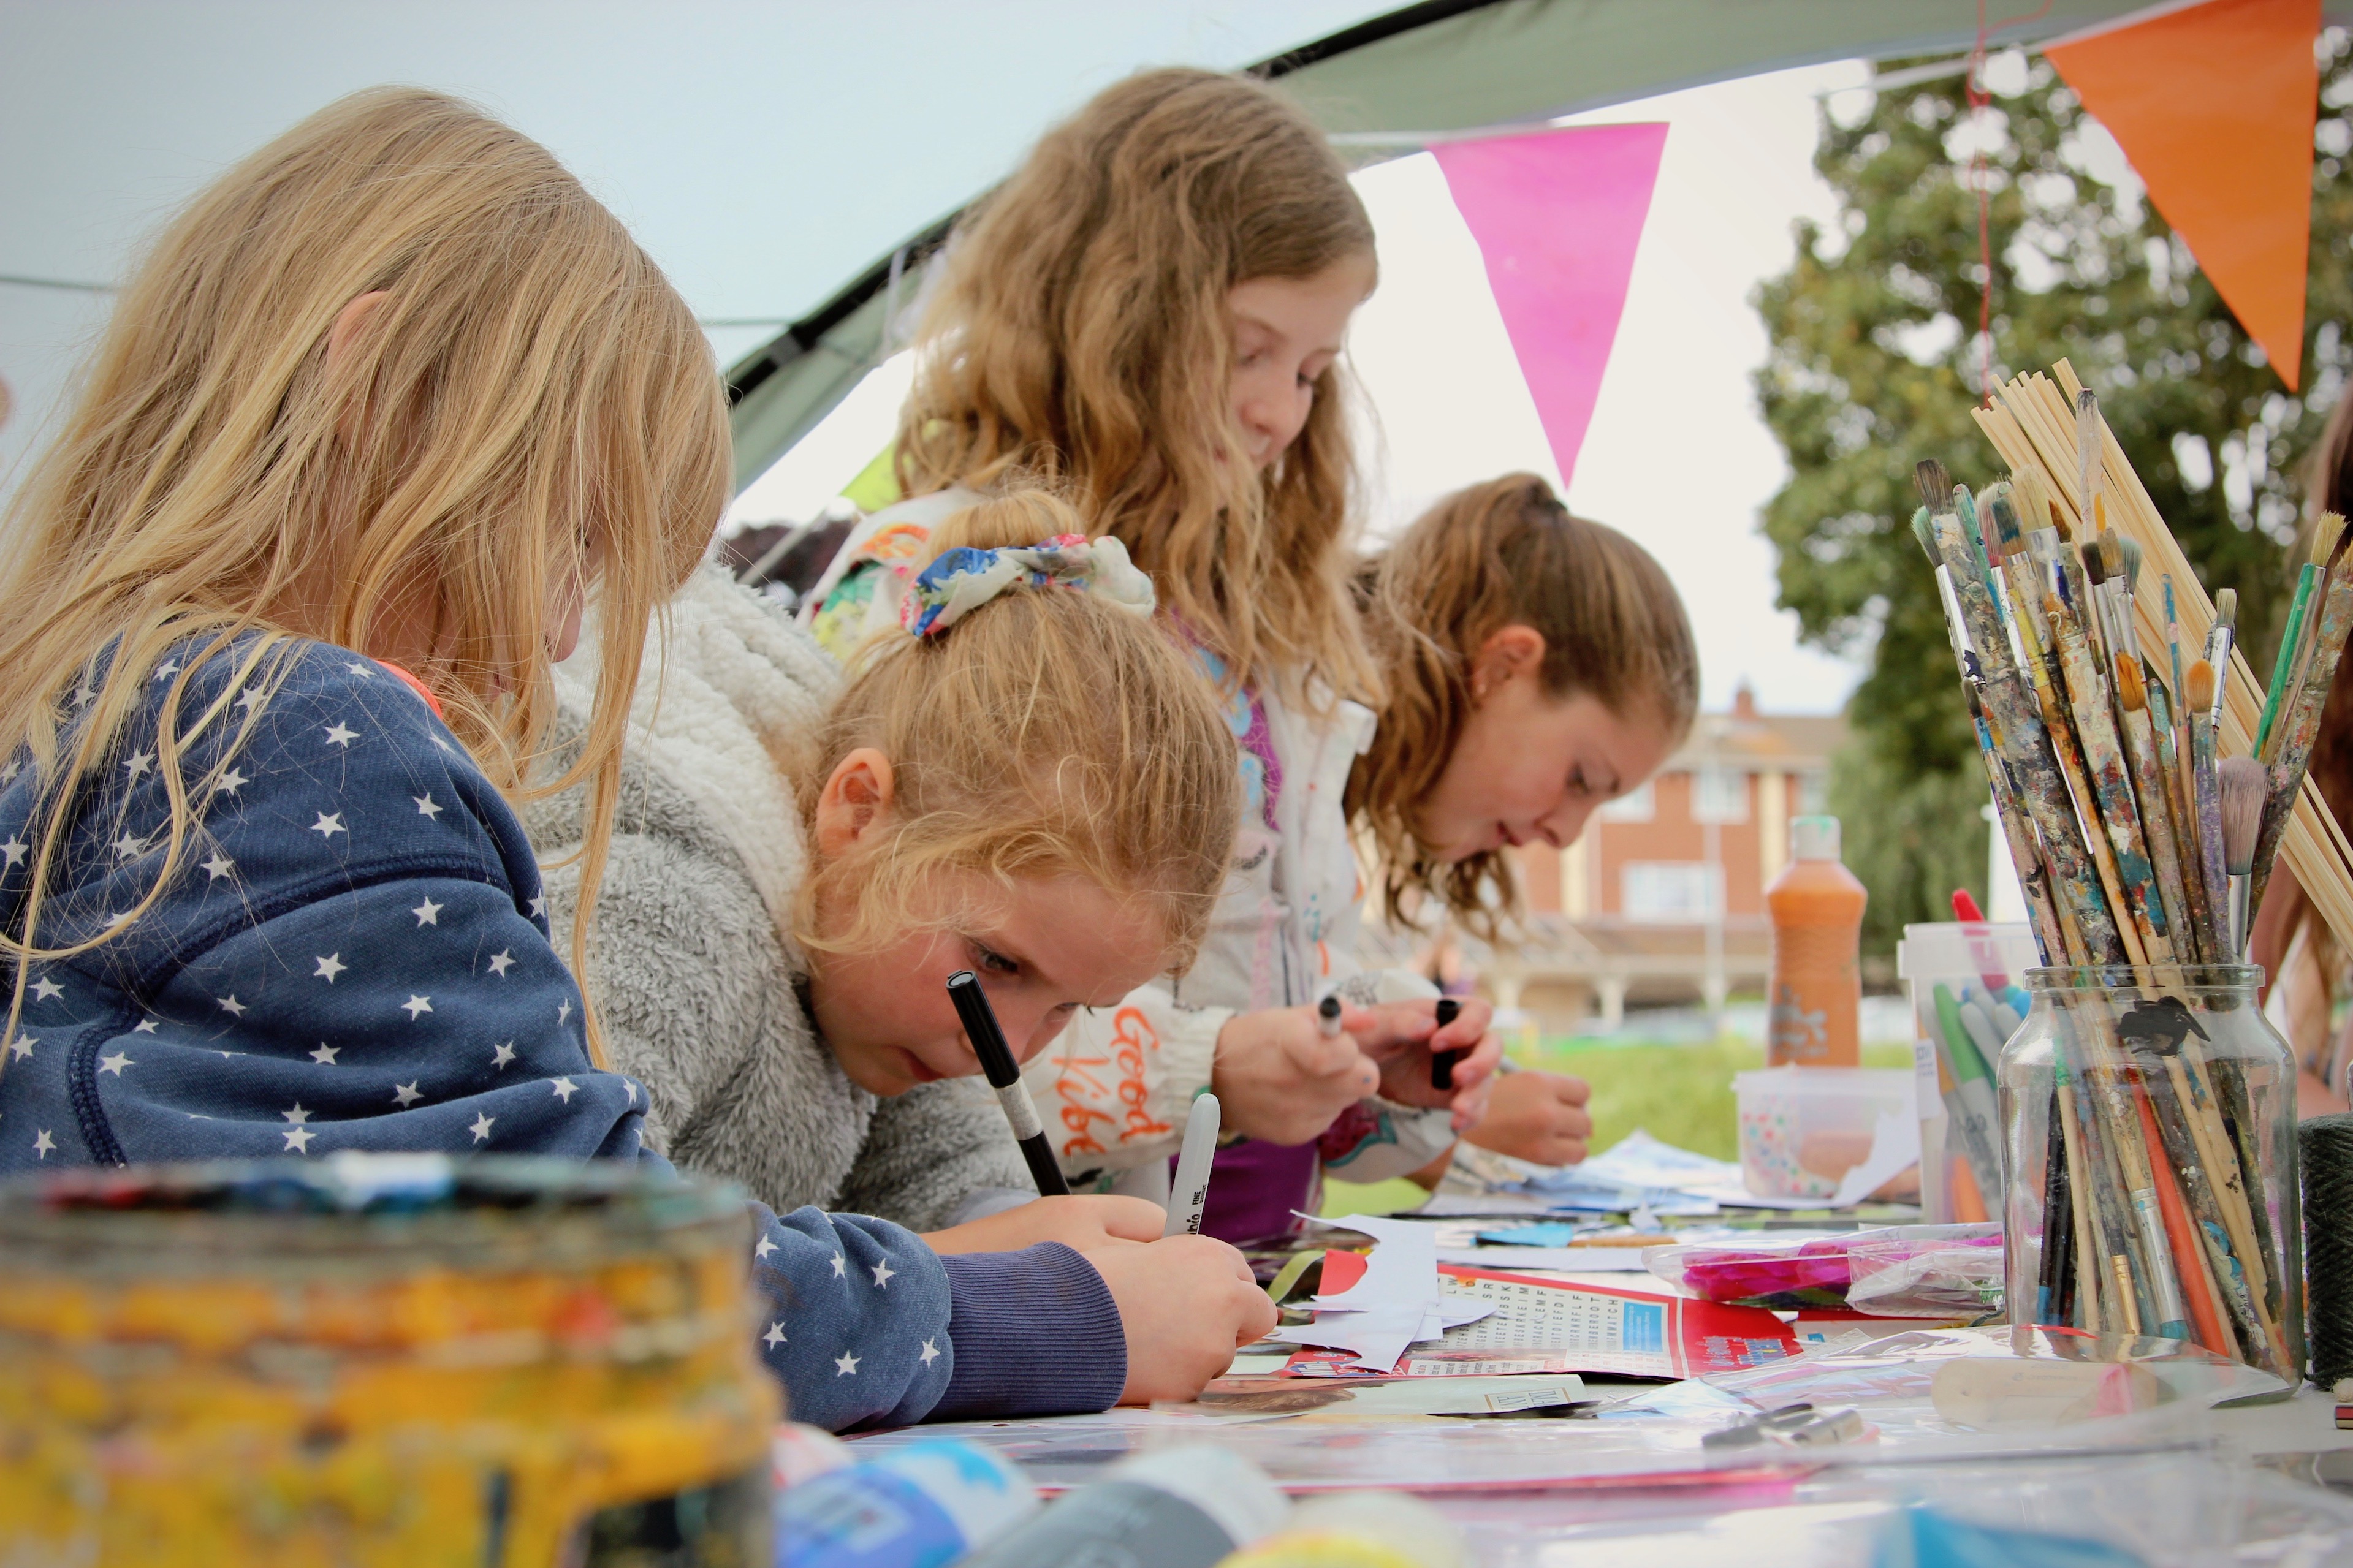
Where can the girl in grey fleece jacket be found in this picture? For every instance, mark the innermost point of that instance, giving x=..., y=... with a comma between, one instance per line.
x=692, y=959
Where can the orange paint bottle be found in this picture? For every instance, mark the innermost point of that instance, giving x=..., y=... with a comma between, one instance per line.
x=1814, y=1000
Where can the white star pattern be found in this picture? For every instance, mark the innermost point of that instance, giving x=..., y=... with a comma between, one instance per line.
x=407, y=1094
x=329, y=825
x=14, y=849
x=883, y=1274
x=231, y=1006
x=428, y=913
x=504, y=1054
x=425, y=806
x=127, y=847
x=115, y=1064
x=931, y=1353
x=298, y=1139
x=82, y=694
x=219, y=866
x=232, y=780
x=22, y=1045
x=339, y=736
x=630, y=1084
x=766, y=1247
x=298, y=1115
x=539, y=906
x=325, y=1055
x=168, y=669
x=840, y=1267
x=501, y=963
x=44, y=988
x=42, y=1144
x=329, y=965
x=564, y=1089
x=143, y=1027
x=248, y=698
x=8, y=775
x=356, y=667
x=845, y=1365
x=563, y=1011
x=415, y=1004
x=482, y=1126
x=137, y=763
x=774, y=1336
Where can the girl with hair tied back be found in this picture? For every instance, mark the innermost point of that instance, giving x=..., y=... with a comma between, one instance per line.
x=384, y=409
x=1537, y=666
x=1150, y=312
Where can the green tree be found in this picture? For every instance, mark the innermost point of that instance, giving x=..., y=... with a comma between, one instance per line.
x=1876, y=362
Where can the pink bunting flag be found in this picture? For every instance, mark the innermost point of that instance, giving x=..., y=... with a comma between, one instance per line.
x=1558, y=215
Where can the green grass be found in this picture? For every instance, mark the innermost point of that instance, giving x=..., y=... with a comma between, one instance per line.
x=1681, y=1094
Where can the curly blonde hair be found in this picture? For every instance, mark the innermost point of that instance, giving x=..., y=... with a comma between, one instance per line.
x=1080, y=332
x=1047, y=733
x=539, y=406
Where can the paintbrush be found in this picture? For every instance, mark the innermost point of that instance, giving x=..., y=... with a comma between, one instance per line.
x=2190, y=923
x=2088, y=473
x=2219, y=638
x=2206, y=807
x=2113, y=804
x=2156, y=811
x=2299, y=727
x=2241, y=787
x=2284, y=665
x=2019, y=735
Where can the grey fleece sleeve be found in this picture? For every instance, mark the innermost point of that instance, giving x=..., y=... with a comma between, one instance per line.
x=928, y=1150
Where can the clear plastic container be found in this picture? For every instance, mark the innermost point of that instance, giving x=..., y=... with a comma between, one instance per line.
x=2149, y=1126
x=1802, y=1129
x=1966, y=1001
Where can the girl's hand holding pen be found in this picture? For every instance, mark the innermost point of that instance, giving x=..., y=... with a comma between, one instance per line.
x=1402, y=1037
x=1083, y=1223
x=1186, y=1304
x=1281, y=1077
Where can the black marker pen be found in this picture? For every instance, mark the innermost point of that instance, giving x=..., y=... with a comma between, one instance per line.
x=1003, y=1076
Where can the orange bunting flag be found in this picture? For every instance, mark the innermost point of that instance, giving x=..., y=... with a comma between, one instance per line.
x=2213, y=103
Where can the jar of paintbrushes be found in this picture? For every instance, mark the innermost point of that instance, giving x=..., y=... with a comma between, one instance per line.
x=2144, y=785
x=2149, y=1126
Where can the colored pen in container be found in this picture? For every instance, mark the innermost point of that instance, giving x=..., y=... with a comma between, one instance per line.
x=1004, y=1074
x=1188, y=1189
x=1442, y=1063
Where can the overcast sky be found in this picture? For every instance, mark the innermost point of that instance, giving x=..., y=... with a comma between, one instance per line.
x=768, y=152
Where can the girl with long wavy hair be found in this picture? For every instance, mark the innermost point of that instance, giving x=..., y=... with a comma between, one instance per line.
x=1151, y=313
x=384, y=408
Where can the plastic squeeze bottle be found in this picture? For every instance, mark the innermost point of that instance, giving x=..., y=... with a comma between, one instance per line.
x=1815, y=997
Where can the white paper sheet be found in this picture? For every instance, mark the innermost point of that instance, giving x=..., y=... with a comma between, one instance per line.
x=1571, y=1259
x=1895, y=1149
x=1395, y=1304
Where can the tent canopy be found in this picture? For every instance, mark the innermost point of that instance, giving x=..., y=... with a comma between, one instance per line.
x=1387, y=85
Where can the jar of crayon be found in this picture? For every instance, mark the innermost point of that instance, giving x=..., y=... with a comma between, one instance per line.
x=2149, y=1133
x=379, y=1360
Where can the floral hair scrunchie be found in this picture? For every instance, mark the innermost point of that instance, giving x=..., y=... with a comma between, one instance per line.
x=961, y=581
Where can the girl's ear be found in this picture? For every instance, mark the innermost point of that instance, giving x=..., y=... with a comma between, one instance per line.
x=350, y=321
x=855, y=803
x=1514, y=651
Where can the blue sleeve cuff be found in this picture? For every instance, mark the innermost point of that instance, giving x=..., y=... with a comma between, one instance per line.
x=1036, y=1333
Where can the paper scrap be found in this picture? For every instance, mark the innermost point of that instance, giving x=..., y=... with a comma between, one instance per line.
x=1569, y=1259
x=1895, y=1149
x=1395, y=1304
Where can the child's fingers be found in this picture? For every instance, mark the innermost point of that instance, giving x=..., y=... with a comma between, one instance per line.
x=1128, y=1219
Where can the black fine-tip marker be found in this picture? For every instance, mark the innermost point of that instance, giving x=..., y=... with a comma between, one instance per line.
x=1442, y=1063
x=1004, y=1074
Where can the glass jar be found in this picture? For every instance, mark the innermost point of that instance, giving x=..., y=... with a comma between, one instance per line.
x=2149, y=1143
x=380, y=1360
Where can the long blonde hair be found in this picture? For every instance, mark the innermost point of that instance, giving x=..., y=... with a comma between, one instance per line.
x=1047, y=733
x=1080, y=332
x=536, y=401
x=1502, y=553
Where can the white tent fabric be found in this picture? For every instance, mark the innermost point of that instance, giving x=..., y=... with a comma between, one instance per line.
x=769, y=152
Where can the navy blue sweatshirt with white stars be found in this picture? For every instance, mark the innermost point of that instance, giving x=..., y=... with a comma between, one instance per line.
x=354, y=954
